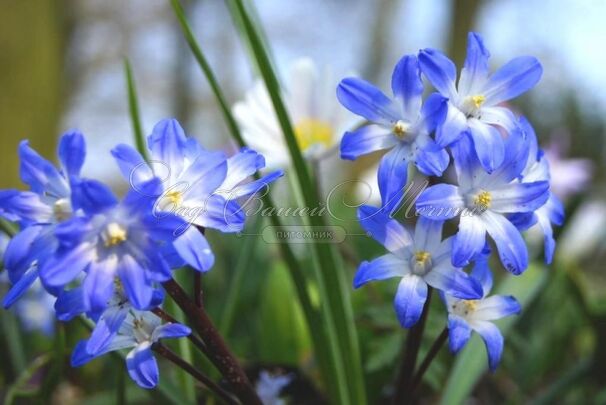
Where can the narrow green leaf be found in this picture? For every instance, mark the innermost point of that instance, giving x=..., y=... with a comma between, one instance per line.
x=133, y=107
x=312, y=316
x=471, y=363
x=14, y=341
x=334, y=290
x=230, y=304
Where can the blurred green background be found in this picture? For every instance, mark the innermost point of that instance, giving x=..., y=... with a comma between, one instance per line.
x=61, y=68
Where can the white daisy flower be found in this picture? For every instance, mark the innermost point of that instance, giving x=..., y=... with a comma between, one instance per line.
x=317, y=117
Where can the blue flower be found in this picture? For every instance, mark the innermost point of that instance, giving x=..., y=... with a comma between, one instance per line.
x=202, y=187
x=552, y=212
x=419, y=260
x=482, y=200
x=40, y=210
x=114, y=239
x=467, y=315
x=140, y=330
x=473, y=103
x=402, y=125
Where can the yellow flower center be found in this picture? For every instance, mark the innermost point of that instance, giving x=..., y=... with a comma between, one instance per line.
x=483, y=200
x=175, y=197
x=62, y=209
x=310, y=132
x=421, y=263
x=422, y=256
x=114, y=234
x=478, y=100
x=465, y=307
x=400, y=129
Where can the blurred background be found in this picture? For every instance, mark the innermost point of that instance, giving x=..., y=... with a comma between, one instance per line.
x=61, y=67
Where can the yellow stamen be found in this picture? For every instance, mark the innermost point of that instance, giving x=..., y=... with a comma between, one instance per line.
x=114, y=234
x=400, y=128
x=422, y=256
x=470, y=305
x=309, y=132
x=478, y=100
x=62, y=209
x=483, y=200
x=175, y=197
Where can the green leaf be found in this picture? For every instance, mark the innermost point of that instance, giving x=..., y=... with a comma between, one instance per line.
x=471, y=362
x=133, y=106
x=334, y=290
x=312, y=316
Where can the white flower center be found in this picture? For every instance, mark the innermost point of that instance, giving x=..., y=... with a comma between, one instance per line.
x=421, y=263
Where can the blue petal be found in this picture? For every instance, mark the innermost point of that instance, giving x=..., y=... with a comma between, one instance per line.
x=72, y=152
x=220, y=214
x=69, y=304
x=20, y=287
x=134, y=168
x=385, y=230
x=80, y=356
x=453, y=126
x=516, y=156
x=432, y=159
x=73, y=231
x=258, y=186
x=440, y=71
x=193, y=247
x=475, y=70
x=428, y=234
x=364, y=99
x=519, y=197
x=168, y=144
x=454, y=282
x=205, y=174
x=142, y=366
x=241, y=166
x=410, y=300
x=512, y=79
x=63, y=267
x=549, y=241
x=106, y=329
x=459, y=333
x=469, y=241
x=157, y=268
x=440, y=202
x=143, y=198
x=496, y=307
x=92, y=196
x=481, y=270
x=24, y=206
x=434, y=112
x=170, y=331
x=470, y=172
x=164, y=226
x=392, y=176
x=510, y=244
x=488, y=144
x=555, y=209
x=493, y=340
x=407, y=86
x=19, y=256
x=137, y=287
x=381, y=268
x=39, y=173
x=99, y=283
x=366, y=139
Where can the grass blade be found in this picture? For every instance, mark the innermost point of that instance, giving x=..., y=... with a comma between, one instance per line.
x=331, y=281
x=312, y=315
x=133, y=107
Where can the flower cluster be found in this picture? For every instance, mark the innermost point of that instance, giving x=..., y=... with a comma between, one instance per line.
x=107, y=258
x=502, y=184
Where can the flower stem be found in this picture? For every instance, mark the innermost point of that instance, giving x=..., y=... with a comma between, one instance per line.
x=166, y=317
x=431, y=354
x=403, y=394
x=207, y=382
x=218, y=352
